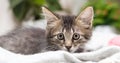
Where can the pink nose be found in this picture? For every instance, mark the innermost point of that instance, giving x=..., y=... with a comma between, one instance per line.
x=68, y=47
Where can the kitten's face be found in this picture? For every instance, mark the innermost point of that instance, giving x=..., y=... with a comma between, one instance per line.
x=69, y=33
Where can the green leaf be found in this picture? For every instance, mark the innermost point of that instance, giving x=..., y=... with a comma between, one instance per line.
x=98, y=21
x=21, y=10
x=53, y=5
x=38, y=2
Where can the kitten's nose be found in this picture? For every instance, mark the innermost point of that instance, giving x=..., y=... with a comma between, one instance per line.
x=68, y=47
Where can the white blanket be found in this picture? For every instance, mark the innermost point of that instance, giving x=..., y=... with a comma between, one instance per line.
x=109, y=54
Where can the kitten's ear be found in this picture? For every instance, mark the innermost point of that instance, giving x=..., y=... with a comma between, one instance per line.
x=49, y=16
x=86, y=17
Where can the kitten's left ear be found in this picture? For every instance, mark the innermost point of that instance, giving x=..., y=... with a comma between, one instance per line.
x=51, y=18
x=86, y=17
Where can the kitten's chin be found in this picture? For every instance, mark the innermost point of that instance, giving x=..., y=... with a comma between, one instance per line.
x=64, y=49
x=71, y=50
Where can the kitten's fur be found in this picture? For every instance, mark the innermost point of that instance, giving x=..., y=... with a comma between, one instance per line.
x=62, y=33
x=24, y=40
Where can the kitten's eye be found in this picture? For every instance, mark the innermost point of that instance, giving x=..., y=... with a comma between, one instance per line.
x=76, y=36
x=60, y=36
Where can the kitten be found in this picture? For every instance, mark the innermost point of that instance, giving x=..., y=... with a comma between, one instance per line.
x=68, y=33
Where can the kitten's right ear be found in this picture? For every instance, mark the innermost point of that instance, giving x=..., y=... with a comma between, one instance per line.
x=86, y=17
x=51, y=18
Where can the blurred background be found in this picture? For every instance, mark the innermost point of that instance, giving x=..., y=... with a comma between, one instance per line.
x=16, y=13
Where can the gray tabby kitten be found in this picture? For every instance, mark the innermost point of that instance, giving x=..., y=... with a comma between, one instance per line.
x=68, y=33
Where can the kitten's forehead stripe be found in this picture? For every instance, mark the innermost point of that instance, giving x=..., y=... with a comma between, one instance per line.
x=68, y=22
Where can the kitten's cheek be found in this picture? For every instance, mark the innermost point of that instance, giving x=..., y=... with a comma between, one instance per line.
x=75, y=47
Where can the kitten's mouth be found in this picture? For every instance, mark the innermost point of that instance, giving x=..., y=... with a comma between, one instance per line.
x=68, y=50
x=75, y=51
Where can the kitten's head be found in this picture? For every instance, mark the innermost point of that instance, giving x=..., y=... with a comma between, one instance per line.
x=69, y=33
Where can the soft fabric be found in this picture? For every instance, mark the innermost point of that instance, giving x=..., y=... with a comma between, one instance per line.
x=100, y=37
x=110, y=54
